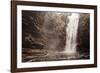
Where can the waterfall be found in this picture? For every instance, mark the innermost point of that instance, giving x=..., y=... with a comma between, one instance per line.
x=71, y=34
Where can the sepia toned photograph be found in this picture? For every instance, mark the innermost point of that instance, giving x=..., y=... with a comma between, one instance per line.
x=54, y=36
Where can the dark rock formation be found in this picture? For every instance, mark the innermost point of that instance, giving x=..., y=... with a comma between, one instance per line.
x=84, y=34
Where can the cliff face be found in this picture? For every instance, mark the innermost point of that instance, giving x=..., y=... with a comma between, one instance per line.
x=83, y=37
x=31, y=30
x=44, y=30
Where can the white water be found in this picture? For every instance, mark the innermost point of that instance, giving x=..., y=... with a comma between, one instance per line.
x=71, y=34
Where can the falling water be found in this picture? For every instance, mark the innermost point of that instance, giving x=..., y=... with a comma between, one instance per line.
x=71, y=34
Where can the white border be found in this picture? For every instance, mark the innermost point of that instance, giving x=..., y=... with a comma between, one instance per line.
x=52, y=63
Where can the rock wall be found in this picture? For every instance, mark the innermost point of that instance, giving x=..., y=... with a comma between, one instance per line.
x=84, y=34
